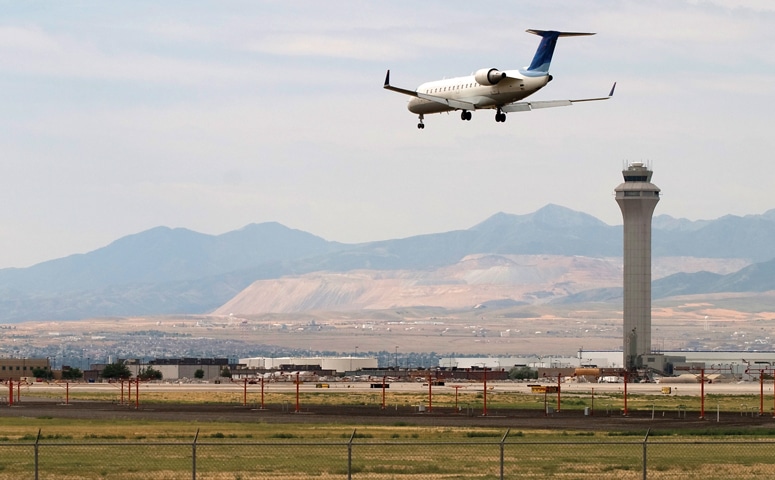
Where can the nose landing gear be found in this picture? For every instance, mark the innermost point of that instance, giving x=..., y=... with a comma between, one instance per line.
x=421, y=125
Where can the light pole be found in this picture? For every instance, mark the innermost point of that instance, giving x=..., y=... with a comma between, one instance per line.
x=484, y=376
x=396, y=358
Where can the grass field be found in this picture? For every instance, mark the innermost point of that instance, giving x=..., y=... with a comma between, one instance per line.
x=442, y=399
x=131, y=449
x=140, y=449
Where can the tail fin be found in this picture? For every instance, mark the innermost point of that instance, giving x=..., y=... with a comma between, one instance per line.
x=543, y=55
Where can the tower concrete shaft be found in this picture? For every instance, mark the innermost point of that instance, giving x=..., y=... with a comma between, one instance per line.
x=637, y=197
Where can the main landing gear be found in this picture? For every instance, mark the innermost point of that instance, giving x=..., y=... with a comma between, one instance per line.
x=421, y=125
x=465, y=115
x=500, y=116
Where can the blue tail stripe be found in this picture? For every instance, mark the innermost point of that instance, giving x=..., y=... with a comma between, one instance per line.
x=543, y=55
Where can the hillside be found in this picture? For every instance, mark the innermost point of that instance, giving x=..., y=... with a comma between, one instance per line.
x=165, y=270
x=485, y=280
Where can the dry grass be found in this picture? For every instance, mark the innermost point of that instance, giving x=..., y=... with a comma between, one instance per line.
x=467, y=399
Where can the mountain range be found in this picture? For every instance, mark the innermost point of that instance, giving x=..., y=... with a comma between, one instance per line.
x=166, y=271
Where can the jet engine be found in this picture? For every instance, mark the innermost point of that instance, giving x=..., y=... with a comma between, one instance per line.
x=489, y=76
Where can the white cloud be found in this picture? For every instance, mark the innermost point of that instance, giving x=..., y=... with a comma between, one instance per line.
x=321, y=45
x=211, y=116
x=756, y=5
x=27, y=40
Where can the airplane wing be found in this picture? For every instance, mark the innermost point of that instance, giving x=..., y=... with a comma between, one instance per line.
x=527, y=106
x=444, y=101
x=448, y=101
x=388, y=86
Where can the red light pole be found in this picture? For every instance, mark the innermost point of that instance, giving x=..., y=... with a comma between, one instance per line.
x=702, y=394
x=384, y=377
x=773, y=398
x=484, y=413
x=761, y=393
x=430, y=394
x=702, y=385
x=559, y=375
x=297, y=391
x=626, y=379
x=762, y=371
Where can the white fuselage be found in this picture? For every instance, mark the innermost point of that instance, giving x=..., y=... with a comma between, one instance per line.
x=511, y=89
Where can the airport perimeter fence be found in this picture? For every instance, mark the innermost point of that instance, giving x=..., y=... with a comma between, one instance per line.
x=357, y=458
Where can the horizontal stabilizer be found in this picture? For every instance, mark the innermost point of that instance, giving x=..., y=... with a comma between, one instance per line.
x=544, y=33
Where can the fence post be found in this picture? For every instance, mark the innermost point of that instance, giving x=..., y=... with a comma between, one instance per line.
x=193, y=456
x=645, y=463
x=37, y=440
x=503, y=446
x=350, y=456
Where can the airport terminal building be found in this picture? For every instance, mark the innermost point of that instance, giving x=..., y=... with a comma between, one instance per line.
x=739, y=365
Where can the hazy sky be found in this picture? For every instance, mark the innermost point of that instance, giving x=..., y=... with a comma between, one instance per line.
x=121, y=116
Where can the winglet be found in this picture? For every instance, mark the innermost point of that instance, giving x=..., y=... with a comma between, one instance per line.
x=612, y=90
x=388, y=86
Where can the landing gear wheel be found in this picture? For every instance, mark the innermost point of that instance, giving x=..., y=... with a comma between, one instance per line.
x=500, y=117
x=465, y=115
x=421, y=125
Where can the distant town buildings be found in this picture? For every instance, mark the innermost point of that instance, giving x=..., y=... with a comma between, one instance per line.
x=18, y=368
x=336, y=364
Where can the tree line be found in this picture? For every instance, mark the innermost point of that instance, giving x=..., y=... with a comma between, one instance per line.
x=112, y=371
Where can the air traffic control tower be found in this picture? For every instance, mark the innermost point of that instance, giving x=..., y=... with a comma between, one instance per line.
x=637, y=197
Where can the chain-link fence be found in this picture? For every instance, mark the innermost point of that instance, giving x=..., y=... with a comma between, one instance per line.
x=357, y=458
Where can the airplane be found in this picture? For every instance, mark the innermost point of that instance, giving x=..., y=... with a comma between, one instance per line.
x=492, y=88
